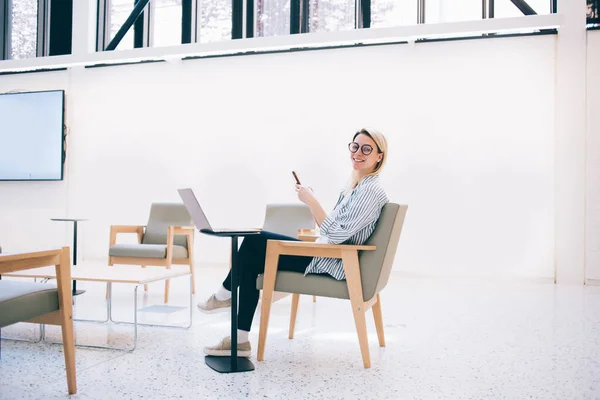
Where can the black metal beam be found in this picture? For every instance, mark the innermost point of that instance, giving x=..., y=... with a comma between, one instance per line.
x=138, y=9
x=43, y=28
x=295, y=16
x=61, y=27
x=492, y=9
x=553, y=6
x=304, y=13
x=237, y=19
x=249, y=18
x=102, y=25
x=524, y=7
x=5, y=29
x=420, y=11
x=365, y=12
x=186, y=21
x=141, y=29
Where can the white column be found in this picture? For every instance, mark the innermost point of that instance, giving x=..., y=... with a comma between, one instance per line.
x=570, y=142
x=592, y=259
x=84, y=26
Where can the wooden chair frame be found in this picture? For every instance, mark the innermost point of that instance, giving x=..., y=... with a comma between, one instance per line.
x=62, y=317
x=349, y=256
x=188, y=231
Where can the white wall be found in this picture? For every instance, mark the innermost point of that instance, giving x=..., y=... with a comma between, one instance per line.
x=593, y=157
x=469, y=125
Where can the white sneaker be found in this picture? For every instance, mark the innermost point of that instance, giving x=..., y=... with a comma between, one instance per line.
x=212, y=305
x=223, y=349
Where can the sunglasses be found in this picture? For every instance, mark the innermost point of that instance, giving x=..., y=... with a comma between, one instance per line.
x=365, y=148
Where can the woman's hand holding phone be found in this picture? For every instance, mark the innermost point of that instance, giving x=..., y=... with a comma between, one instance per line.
x=305, y=194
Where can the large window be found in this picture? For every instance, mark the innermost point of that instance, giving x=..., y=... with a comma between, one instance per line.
x=167, y=22
x=506, y=8
x=453, y=10
x=331, y=15
x=386, y=13
x=215, y=20
x=23, y=43
x=119, y=11
x=593, y=12
x=273, y=17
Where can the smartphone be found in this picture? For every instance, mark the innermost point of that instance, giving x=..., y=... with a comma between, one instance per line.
x=296, y=178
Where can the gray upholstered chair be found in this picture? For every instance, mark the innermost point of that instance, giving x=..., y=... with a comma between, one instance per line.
x=287, y=219
x=41, y=303
x=167, y=239
x=367, y=273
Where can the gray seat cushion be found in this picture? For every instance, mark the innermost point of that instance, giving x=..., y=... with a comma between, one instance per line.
x=146, y=251
x=313, y=284
x=20, y=301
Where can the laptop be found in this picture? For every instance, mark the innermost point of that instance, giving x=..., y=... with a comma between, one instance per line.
x=193, y=207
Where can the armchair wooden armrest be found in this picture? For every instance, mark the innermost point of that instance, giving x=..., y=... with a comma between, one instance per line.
x=182, y=230
x=188, y=231
x=285, y=247
x=115, y=229
x=307, y=235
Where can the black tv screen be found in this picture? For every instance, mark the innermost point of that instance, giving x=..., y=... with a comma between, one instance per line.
x=32, y=136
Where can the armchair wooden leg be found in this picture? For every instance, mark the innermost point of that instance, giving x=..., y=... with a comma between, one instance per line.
x=145, y=284
x=65, y=300
x=314, y=299
x=69, y=350
x=167, y=284
x=361, y=329
x=270, y=273
x=379, y=321
x=351, y=268
x=295, y=301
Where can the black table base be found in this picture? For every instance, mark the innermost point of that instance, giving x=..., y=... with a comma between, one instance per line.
x=76, y=292
x=224, y=364
x=232, y=363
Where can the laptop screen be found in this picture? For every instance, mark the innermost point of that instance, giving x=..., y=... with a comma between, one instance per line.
x=193, y=207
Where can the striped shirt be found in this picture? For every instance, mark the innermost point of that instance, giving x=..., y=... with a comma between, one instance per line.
x=352, y=221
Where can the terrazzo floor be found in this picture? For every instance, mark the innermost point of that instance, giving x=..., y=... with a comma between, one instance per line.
x=446, y=339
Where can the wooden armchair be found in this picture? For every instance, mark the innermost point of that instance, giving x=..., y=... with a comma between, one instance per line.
x=41, y=303
x=367, y=274
x=167, y=239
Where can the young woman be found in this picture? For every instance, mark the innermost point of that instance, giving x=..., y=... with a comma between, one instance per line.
x=352, y=221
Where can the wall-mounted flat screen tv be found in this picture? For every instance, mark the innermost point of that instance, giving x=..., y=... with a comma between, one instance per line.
x=32, y=136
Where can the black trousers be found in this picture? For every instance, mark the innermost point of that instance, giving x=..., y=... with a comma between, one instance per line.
x=251, y=263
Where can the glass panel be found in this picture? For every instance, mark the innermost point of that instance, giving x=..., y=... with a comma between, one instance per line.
x=24, y=29
x=506, y=9
x=331, y=15
x=119, y=11
x=273, y=17
x=386, y=13
x=167, y=22
x=453, y=10
x=593, y=12
x=215, y=20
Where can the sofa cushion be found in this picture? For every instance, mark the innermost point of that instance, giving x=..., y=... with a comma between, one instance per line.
x=146, y=251
x=20, y=301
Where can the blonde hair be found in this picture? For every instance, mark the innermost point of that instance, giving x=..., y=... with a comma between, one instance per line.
x=381, y=143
